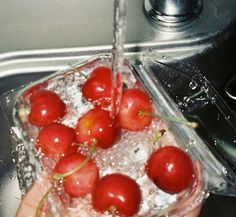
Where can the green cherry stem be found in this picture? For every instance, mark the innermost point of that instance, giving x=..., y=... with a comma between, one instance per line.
x=169, y=118
x=58, y=176
x=74, y=69
x=159, y=135
x=196, y=94
x=81, y=145
x=42, y=201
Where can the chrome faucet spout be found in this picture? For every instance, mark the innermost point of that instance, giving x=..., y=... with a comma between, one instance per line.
x=172, y=12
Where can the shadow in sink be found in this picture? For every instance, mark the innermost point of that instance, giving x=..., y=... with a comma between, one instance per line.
x=198, y=100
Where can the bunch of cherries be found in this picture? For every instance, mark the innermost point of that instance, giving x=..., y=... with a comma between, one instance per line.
x=170, y=168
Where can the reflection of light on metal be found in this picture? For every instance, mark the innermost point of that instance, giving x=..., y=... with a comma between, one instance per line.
x=172, y=12
x=9, y=187
x=230, y=88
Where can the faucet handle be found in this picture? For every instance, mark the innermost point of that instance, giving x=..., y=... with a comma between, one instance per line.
x=172, y=12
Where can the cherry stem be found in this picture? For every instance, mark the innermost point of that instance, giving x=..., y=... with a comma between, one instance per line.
x=58, y=176
x=77, y=70
x=42, y=201
x=81, y=145
x=196, y=94
x=113, y=210
x=173, y=119
x=159, y=135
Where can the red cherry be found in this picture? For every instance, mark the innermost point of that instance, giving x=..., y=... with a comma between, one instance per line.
x=97, y=124
x=134, y=101
x=97, y=89
x=74, y=149
x=171, y=169
x=46, y=107
x=55, y=139
x=79, y=183
x=119, y=191
x=27, y=94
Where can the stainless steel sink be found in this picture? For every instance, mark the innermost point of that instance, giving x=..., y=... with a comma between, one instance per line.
x=28, y=25
x=40, y=37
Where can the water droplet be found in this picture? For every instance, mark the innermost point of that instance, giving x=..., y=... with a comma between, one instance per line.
x=191, y=143
x=8, y=100
x=206, y=195
x=193, y=85
x=213, y=100
x=186, y=99
x=224, y=170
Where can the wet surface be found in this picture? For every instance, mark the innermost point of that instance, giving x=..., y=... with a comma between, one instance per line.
x=215, y=205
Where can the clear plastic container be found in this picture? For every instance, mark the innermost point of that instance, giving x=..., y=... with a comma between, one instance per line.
x=215, y=175
x=197, y=100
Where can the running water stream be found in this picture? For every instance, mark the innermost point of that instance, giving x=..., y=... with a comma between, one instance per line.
x=119, y=32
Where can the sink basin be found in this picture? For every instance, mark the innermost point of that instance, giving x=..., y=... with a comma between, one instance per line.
x=38, y=38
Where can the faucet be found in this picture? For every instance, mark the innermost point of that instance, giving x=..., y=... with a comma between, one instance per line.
x=172, y=12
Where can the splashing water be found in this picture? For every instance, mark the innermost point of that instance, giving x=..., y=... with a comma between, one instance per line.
x=127, y=156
